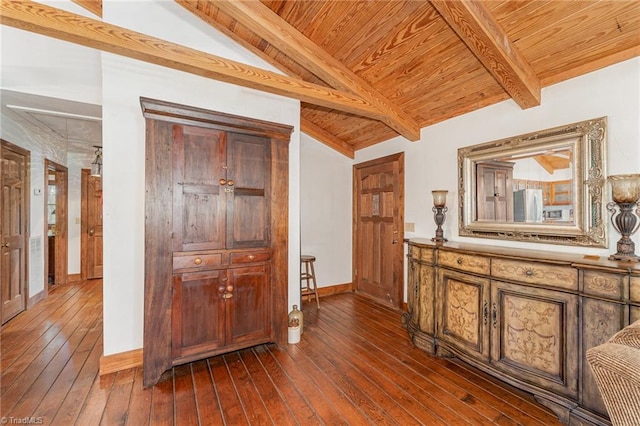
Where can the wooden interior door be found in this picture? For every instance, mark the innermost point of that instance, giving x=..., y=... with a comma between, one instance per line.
x=91, y=226
x=378, y=229
x=14, y=180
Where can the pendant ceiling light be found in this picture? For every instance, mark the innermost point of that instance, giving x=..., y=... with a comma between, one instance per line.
x=96, y=166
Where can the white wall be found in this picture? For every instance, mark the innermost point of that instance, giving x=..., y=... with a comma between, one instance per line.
x=325, y=194
x=124, y=82
x=48, y=67
x=431, y=162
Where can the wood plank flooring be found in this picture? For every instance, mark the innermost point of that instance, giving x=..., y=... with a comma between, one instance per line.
x=354, y=365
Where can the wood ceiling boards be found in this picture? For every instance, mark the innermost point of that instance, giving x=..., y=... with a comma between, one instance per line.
x=367, y=71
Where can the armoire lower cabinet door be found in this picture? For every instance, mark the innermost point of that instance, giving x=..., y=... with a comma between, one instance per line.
x=247, y=311
x=534, y=336
x=197, y=313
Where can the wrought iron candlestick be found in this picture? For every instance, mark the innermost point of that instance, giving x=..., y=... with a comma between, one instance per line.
x=439, y=210
x=625, y=191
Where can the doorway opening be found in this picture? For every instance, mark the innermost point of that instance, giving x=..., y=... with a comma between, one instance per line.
x=56, y=251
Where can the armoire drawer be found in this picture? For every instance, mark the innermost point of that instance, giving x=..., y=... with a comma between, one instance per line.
x=249, y=257
x=535, y=273
x=197, y=260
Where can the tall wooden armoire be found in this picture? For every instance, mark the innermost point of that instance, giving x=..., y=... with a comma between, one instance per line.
x=216, y=224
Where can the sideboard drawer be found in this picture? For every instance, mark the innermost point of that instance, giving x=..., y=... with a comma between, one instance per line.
x=635, y=289
x=604, y=284
x=535, y=273
x=422, y=253
x=464, y=262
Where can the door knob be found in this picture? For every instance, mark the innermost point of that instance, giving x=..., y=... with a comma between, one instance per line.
x=91, y=232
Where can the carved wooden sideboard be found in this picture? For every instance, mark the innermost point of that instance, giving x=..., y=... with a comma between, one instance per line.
x=526, y=317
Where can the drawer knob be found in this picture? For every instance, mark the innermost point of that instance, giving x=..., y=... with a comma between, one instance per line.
x=197, y=261
x=251, y=257
x=459, y=261
x=529, y=272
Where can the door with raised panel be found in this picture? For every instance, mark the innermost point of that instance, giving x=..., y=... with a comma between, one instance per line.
x=14, y=181
x=378, y=253
x=464, y=312
x=534, y=335
x=94, y=256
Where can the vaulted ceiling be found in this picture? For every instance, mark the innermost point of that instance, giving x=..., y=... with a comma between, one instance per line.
x=367, y=71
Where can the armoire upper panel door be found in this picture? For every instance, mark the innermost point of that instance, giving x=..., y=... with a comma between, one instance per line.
x=248, y=186
x=199, y=184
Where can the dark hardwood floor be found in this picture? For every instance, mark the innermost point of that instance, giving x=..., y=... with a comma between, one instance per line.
x=354, y=365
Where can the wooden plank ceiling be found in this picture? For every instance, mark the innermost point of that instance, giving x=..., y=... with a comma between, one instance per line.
x=428, y=60
x=367, y=71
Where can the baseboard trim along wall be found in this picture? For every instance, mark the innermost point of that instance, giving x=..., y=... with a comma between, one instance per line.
x=335, y=289
x=120, y=361
x=38, y=297
x=72, y=278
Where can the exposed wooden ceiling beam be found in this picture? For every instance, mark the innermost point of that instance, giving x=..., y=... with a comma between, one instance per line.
x=326, y=138
x=306, y=126
x=279, y=33
x=477, y=28
x=93, y=6
x=56, y=23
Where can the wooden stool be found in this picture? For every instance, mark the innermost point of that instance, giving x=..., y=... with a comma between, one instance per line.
x=308, y=284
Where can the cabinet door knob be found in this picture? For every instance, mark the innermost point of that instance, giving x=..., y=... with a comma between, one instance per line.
x=251, y=257
x=223, y=181
x=197, y=261
x=221, y=289
x=229, y=288
x=231, y=182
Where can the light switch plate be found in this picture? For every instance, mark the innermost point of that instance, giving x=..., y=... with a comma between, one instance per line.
x=409, y=227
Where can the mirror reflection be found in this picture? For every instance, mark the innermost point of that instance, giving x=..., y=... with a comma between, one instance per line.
x=531, y=187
